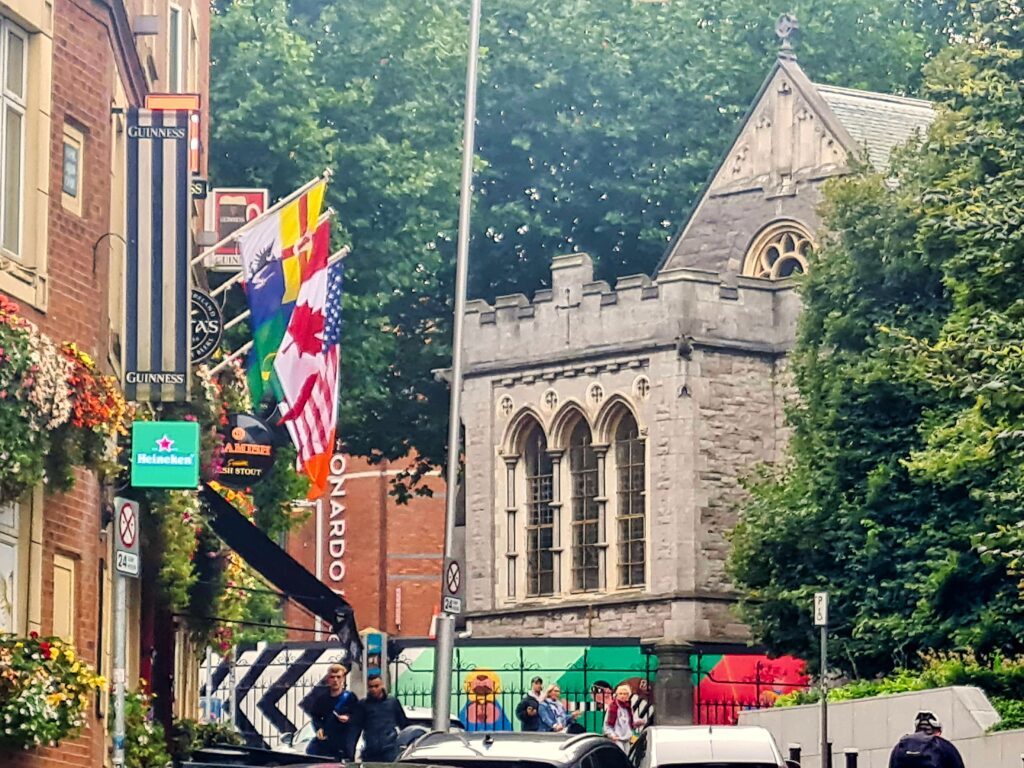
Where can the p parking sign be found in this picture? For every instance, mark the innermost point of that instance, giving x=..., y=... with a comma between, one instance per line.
x=165, y=454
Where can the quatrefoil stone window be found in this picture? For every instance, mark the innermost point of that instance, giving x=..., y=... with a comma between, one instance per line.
x=781, y=250
x=596, y=393
x=550, y=399
x=505, y=405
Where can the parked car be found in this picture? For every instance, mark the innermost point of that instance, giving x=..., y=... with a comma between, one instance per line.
x=707, y=746
x=505, y=749
x=421, y=721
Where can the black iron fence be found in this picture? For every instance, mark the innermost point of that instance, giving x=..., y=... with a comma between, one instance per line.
x=758, y=691
x=485, y=699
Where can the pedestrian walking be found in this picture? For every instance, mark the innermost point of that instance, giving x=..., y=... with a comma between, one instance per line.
x=619, y=722
x=553, y=716
x=925, y=747
x=383, y=717
x=528, y=710
x=336, y=717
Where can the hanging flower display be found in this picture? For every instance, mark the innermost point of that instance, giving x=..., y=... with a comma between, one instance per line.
x=56, y=410
x=44, y=691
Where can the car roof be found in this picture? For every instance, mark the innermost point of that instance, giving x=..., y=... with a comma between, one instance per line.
x=554, y=748
x=706, y=743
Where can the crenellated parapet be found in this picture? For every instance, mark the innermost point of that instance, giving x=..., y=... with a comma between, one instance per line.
x=581, y=316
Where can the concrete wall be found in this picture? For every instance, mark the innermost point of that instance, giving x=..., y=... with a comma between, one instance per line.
x=874, y=725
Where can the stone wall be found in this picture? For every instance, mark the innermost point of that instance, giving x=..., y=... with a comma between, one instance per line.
x=698, y=363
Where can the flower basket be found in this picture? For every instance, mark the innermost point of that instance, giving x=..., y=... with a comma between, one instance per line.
x=44, y=691
x=56, y=410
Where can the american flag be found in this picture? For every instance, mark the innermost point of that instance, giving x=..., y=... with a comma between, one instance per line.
x=309, y=377
x=332, y=328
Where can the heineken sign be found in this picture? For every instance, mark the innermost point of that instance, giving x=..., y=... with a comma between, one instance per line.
x=248, y=451
x=165, y=454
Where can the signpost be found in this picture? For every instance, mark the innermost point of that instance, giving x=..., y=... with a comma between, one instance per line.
x=126, y=565
x=165, y=454
x=248, y=451
x=207, y=325
x=451, y=600
x=231, y=208
x=821, y=620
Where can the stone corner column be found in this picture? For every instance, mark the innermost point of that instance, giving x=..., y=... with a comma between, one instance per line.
x=673, y=686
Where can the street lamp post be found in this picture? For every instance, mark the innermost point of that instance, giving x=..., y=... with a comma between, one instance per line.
x=446, y=622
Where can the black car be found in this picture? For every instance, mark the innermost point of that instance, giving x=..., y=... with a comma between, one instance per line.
x=505, y=749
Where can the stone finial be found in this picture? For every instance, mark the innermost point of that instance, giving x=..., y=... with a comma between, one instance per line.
x=785, y=28
x=571, y=271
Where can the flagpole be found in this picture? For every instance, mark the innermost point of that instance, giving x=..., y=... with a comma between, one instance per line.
x=446, y=621
x=334, y=258
x=325, y=176
x=226, y=285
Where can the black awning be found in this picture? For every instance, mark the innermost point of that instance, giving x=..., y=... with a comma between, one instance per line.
x=283, y=571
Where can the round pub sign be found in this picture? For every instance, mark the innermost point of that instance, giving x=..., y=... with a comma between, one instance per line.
x=248, y=451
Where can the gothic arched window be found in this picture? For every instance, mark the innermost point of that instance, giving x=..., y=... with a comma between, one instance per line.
x=586, y=514
x=540, y=519
x=630, y=513
x=781, y=250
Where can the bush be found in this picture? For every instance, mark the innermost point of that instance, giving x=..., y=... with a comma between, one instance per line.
x=1001, y=679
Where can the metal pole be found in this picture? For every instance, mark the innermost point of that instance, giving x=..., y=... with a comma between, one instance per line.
x=120, y=674
x=446, y=622
x=825, y=762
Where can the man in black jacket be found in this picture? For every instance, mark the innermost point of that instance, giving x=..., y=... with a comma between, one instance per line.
x=383, y=716
x=925, y=748
x=528, y=710
x=336, y=718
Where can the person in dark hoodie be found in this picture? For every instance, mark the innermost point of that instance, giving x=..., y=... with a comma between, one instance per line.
x=383, y=716
x=336, y=718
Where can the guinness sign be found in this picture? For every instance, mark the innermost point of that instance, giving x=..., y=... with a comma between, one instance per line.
x=207, y=326
x=248, y=452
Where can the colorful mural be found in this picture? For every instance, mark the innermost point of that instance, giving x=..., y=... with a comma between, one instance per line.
x=488, y=681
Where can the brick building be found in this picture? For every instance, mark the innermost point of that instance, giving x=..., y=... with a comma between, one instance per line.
x=608, y=429
x=70, y=68
x=384, y=557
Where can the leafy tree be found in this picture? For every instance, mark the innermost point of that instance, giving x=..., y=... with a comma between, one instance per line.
x=903, y=456
x=598, y=122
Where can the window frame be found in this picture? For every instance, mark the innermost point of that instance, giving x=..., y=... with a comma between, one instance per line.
x=635, y=469
x=174, y=39
x=538, y=472
x=585, y=509
x=73, y=137
x=10, y=536
x=11, y=101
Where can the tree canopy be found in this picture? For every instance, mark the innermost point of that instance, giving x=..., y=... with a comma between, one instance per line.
x=599, y=121
x=902, y=492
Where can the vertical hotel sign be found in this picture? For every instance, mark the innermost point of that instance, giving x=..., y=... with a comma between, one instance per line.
x=155, y=355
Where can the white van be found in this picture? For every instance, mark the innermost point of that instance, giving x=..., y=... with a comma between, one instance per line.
x=707, y=746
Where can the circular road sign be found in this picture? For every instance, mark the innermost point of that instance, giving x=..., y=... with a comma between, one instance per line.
x=127, y=526
x=453, y=577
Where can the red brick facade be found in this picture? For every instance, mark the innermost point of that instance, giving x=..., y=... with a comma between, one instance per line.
x=389, y=567
x=93, y=60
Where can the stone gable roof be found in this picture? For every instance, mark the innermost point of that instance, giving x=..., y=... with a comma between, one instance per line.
x=878, y=122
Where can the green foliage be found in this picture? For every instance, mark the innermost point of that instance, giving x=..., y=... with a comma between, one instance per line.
x=903, y=482
x=1001, y=679
x=599, y=120
x=190, y=735
x=144, y=744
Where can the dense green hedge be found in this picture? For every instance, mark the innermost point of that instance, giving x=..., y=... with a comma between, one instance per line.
x=1001, y=679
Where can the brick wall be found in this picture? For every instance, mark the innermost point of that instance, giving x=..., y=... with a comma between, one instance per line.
x=392, y=552
x=82, y=76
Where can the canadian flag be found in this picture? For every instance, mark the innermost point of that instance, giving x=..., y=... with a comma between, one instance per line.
x=307, y=369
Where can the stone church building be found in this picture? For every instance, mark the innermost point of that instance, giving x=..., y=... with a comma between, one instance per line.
x=607, y=428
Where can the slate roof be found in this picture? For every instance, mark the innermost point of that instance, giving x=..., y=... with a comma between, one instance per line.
x=876, y=121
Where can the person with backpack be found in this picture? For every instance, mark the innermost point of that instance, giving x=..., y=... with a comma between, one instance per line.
x=336, y=718
x=925, y=747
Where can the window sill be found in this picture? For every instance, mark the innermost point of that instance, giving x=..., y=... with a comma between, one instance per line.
x=24, y=285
